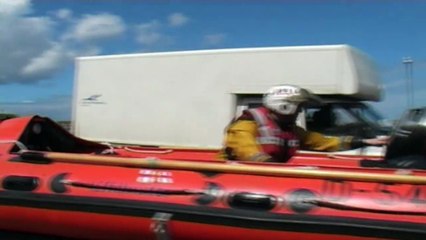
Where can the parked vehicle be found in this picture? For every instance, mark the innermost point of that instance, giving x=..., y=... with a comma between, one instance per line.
x=188, y=98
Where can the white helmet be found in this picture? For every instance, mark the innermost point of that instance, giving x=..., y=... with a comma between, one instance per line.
x=285, y=99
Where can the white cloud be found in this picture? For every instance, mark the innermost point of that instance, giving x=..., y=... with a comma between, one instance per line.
x=149, y=33
x=40, y=46
x=24, y=38
x=31, y=53
x=214, y=39
x=177, y=19
x=97, y=27
x=34, y=52
x=47, y=62
x=63, y=14
x=14, y=8
x=53, y=59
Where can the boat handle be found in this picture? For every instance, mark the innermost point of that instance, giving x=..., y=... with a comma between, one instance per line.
x=159, y=225
x=20, y=183
x=253, y=201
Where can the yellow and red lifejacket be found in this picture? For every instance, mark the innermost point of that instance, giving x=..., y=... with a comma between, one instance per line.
x=280, y=144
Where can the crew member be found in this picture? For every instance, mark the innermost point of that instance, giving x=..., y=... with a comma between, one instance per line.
x=269, y=133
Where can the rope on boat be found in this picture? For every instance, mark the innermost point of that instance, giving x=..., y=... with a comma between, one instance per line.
x=224, y=167
x=161, y=151
x=118, y=188
x=110, y=149
x=340, y=206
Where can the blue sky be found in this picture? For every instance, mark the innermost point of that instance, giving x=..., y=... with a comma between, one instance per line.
x=39, y=39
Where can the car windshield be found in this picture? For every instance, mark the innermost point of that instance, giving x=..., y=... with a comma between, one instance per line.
x=344, y=118
x=364, y=113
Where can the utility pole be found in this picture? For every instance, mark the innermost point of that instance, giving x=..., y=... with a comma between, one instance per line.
x=408, y=63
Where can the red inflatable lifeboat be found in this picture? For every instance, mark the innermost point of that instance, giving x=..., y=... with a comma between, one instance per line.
x=55, y=185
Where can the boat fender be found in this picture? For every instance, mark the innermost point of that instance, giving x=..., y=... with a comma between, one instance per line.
x=252, y=201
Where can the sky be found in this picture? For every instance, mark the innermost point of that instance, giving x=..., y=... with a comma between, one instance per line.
x=40, y=39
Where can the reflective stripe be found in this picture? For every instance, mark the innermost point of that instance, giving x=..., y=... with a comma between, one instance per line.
x=273, y=141
x=269, y=140
x=259, y=157
x=264, y=129
x=278, y=141
x=258, y=116
x=293, y=143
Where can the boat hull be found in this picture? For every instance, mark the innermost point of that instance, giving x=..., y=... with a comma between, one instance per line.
x=71, y=218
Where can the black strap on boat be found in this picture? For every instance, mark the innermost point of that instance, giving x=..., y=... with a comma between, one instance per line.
x=32, y=157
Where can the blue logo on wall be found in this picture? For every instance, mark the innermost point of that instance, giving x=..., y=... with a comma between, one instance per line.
x=92, y=99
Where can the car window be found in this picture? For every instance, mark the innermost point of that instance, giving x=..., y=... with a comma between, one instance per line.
x=330, y=119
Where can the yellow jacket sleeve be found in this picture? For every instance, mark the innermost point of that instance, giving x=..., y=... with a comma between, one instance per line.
x=317, y=142
x=240, y=140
